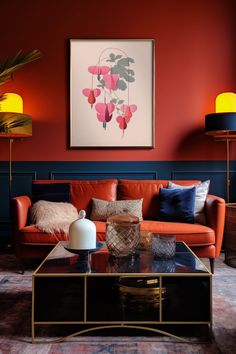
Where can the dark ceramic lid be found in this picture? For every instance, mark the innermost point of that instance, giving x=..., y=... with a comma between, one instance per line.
x=123, y=218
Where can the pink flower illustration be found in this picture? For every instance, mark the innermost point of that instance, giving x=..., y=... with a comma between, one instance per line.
x=128, y=110
x=99, y=70
x=104, y=112
x=91, y=94
x=110, y=81
x=111, y=78
x=123, y=122
x=126, y=115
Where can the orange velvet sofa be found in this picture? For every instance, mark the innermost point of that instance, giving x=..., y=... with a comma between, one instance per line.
x=204, y=240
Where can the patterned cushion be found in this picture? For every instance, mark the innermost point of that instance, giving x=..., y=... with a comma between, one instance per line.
x=101, y=209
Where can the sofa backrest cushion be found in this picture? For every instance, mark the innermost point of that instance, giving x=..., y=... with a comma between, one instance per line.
x=82, y=192
x=149, y=191
x=146, y=189
x=53, y=192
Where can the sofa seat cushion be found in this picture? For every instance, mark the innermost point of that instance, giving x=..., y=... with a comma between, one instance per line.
x=192, y=234
x=205, y=252
x=32, y=235
x=101, y=230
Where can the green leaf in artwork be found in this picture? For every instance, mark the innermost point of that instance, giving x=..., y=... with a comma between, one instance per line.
x=131, y=60
x=121, y=85
x=130, y=72
x=118, y=57
x=123, y=71
x=101, y=84
x=115, y=70
x=112, y=57
x=125, y=61
x=128, y=78
x=114, y=100
x=121, y=101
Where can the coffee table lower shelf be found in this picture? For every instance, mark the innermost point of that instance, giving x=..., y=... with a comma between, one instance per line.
x=203, y=330
x=95, y=303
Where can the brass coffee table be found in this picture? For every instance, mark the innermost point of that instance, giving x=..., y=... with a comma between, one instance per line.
x=76, y=296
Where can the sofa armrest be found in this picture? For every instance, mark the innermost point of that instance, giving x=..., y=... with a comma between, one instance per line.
x=19, y=214
x=215, y=216
x=19, y=211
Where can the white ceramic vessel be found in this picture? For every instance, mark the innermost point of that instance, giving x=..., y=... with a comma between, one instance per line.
x=82, y=233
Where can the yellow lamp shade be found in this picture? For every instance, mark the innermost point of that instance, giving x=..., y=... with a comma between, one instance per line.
x=226, y=102
x=12, y=102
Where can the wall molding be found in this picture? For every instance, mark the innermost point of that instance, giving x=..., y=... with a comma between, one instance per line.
x=103, y=174
x=19, y=173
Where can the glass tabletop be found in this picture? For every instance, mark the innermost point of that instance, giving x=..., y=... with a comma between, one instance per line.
x=62, y=262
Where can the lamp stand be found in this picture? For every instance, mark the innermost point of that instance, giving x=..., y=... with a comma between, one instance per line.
x=228, y=140
x=13, y=125
x=10, y=168
x=227, y=169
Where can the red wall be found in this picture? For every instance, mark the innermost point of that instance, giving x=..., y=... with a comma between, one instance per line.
x=195, y=60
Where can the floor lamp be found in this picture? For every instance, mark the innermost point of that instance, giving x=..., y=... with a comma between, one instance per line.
x=14, y=124
x=222, y=126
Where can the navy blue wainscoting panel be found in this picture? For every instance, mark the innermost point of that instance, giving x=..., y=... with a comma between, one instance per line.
x=21, y=184
x=218, y=182
x=24, y=172
x=92, y=175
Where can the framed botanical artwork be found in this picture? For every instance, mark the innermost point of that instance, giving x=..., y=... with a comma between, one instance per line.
x=111, y=93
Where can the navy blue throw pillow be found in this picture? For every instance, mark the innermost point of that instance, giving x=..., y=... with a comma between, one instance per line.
x=177, y=205
x=52, y=192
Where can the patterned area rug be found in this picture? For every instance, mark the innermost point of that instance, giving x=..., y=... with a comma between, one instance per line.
x=15, y=321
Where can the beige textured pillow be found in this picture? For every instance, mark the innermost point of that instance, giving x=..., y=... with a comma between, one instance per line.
x=52, y=216
x=101, y=209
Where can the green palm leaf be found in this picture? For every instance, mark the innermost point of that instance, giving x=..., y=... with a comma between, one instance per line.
x=11, y=64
